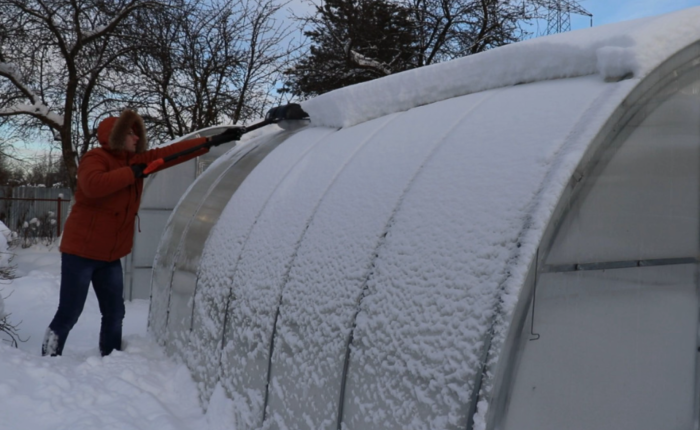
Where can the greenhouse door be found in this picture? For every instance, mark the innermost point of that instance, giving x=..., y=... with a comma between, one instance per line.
x=612, y=339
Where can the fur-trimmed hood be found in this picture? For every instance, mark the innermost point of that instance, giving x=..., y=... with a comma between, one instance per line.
x=112, y=131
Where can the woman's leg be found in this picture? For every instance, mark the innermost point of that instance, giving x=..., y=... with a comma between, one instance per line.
x=109, y=289
x=76, y=273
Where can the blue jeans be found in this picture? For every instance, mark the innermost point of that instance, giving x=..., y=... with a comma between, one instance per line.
x=76, y=275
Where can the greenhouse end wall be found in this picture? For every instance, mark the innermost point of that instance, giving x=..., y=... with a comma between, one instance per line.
x=611, y=339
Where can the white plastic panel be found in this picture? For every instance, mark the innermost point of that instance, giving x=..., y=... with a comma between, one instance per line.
x=164, y=189
x=151, y=223
x=263, y=270
x=617, y=350
x=141, y=283
x=221, y=255
x=644, y=204
x=334, y=260
x=162, y=192
x=419, y=340
x=169, y=246
x=186, y=267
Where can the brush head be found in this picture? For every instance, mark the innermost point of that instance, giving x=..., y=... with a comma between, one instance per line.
x=292, y=111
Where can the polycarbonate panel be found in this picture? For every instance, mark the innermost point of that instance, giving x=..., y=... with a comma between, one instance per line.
x=185, y=269
x=151, y=224
x=318, y=312
x=617, y=349
x=169, y=246
x=221, y=255
x=164, y=189
x=420, y=334
x=263, y=269
x=141, y=283
x=644, y=203
x=204, y=161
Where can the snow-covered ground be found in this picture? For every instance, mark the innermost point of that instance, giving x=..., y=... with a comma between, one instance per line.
x=138, y=388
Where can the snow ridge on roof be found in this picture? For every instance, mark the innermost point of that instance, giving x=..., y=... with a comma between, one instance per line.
x=614, y=51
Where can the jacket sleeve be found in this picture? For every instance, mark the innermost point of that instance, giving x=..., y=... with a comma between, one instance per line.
x=154, y=154
x=96, y=180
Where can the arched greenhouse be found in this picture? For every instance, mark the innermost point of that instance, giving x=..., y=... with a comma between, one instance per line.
x=505, y=241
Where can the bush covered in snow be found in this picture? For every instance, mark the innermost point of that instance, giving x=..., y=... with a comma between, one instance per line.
x=6, y=273
x=38, y=230
x=5, y=238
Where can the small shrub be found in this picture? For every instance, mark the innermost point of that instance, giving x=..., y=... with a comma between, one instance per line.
x=7, y=273
x=38, y=230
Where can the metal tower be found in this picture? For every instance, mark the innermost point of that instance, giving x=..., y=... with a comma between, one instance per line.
x=559, y=15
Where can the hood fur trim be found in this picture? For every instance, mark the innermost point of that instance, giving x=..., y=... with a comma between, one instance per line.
x=112, y=131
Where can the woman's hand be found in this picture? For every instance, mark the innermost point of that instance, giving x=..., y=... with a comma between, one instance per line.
x=138, y=170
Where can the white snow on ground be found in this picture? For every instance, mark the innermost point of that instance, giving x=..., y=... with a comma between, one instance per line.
x=138, y=388
x=630, y=48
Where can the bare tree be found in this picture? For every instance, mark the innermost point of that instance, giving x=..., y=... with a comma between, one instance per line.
x=6, y=169
x=206, y=63
x=46, y=169
x=53, y=54
x=11, y=172
x=447, y=29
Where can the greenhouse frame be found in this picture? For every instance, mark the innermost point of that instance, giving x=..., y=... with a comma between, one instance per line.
x=162, y=192
x=505, y=241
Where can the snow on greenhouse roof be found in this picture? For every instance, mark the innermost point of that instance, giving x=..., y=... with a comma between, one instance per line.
x=632, y=48
x=326, y=206
x=426, y=209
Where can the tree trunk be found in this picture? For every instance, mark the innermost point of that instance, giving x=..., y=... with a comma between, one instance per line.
x=69, y=158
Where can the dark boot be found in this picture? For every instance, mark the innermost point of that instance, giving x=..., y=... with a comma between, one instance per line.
x=110, y=337
x=53, y=344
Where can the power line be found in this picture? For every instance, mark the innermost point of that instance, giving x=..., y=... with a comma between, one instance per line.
x=559, y=15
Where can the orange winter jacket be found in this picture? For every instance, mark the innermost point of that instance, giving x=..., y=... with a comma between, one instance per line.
x=100, y=225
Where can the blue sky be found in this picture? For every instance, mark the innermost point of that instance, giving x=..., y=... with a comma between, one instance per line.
x=609, y=11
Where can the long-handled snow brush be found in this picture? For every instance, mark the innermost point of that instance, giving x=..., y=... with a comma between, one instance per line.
x=288, y=112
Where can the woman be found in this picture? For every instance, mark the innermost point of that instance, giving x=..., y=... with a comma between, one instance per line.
x=100, y=227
